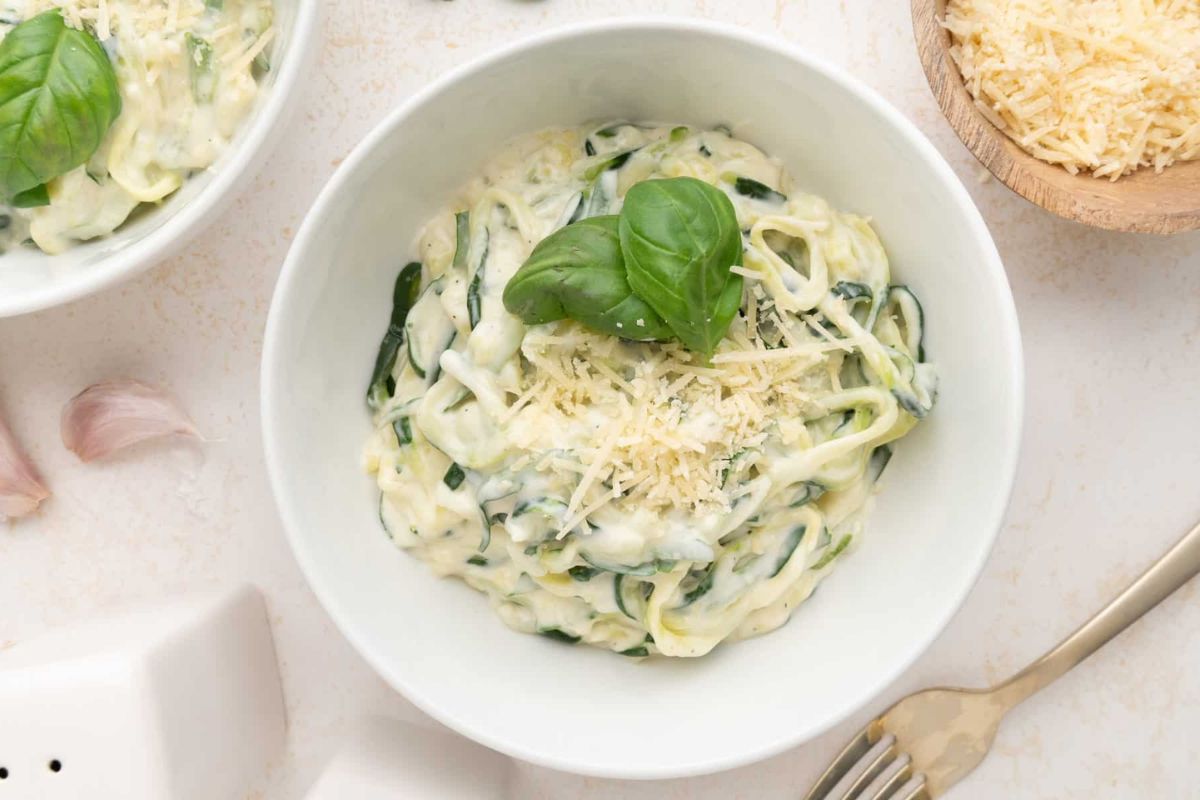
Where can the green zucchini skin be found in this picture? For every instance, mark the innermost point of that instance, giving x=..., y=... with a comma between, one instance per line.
x=485, y=538
x=860, y=300
x=730, y=465
x=703, y=586
x=810, y=492
x=429, y=333
x=454, y=477
x=545, y=505
x=203, y=76
x=559, y=635
x=404, y=295
x=403, y=430
x=474, y=303
x=475, y=288
x=919, y=391
x=790, y=543
x=643, y=570
x=619, y=587
x=877, y=463
x=462, y=239
x=390, y=527
x=583, y=573
x=382, y=518
x=759, y=191
x=900, y=293
x=833, y=552
x=612, y=164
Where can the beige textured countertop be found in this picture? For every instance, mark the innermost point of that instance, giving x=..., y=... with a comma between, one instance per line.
x=1111, y=326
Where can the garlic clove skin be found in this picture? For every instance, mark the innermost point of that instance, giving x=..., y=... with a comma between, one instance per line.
x=21, y=487
x=112, y=415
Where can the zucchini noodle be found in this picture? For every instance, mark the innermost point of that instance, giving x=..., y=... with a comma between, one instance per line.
x=630, y=495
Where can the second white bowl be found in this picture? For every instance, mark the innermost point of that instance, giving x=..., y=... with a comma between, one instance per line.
x=32, y=281
x=580, y=709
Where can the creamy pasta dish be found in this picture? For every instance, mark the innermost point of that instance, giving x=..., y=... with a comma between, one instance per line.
x=188, y=74
x=623, y=489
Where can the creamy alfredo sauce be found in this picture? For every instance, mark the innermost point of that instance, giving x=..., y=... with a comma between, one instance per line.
x=188, y=73
x=629, y=495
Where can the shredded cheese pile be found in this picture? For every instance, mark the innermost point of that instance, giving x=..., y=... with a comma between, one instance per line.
x=154, y=19
x=667, y=429
x=136, y=17
x=1100, y=86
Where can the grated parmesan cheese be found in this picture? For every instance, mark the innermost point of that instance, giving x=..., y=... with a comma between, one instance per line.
x=1103, y=86
x=672, y=421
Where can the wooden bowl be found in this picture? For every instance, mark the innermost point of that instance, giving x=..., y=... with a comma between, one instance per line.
x=1145, y=201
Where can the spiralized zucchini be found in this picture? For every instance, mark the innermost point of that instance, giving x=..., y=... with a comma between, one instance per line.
x=630, y=495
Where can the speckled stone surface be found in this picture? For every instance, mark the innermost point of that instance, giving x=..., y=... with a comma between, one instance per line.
x=1111, y=326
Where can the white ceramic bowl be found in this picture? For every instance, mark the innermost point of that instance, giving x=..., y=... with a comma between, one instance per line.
x=580, y=709
x=32, y=281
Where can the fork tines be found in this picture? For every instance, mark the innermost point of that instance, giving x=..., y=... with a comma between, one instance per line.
x=870, y=768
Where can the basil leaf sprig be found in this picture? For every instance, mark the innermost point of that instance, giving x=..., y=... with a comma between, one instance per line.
x=659, y=270
x=679, y=237
x=578, y=273
x=58, y=98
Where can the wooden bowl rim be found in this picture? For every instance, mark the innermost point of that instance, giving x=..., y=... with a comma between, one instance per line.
x=1144, y=201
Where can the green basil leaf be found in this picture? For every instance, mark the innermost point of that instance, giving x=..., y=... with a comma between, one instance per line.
x=577, y=272
x=679, y=237
x=58, y=98
x=31, y=198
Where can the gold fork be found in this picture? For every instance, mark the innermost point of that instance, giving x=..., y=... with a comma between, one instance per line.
x=931, y=740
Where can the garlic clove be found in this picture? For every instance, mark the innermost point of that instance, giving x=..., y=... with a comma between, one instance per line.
x=112, y=415
x=21, y=487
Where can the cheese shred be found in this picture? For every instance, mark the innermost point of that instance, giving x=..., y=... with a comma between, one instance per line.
x=1104, y=86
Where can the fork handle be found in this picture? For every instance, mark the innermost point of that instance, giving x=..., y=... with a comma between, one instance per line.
x=1170, y=572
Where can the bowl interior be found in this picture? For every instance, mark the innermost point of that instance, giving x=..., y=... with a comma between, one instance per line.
x=31, y=280
x=576, y=708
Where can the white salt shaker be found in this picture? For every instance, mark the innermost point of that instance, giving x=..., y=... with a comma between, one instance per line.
x=176, y=701
x=391, y=760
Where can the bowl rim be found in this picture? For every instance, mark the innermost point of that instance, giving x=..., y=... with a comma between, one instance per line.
x=1009, y=347
x=236, y=170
